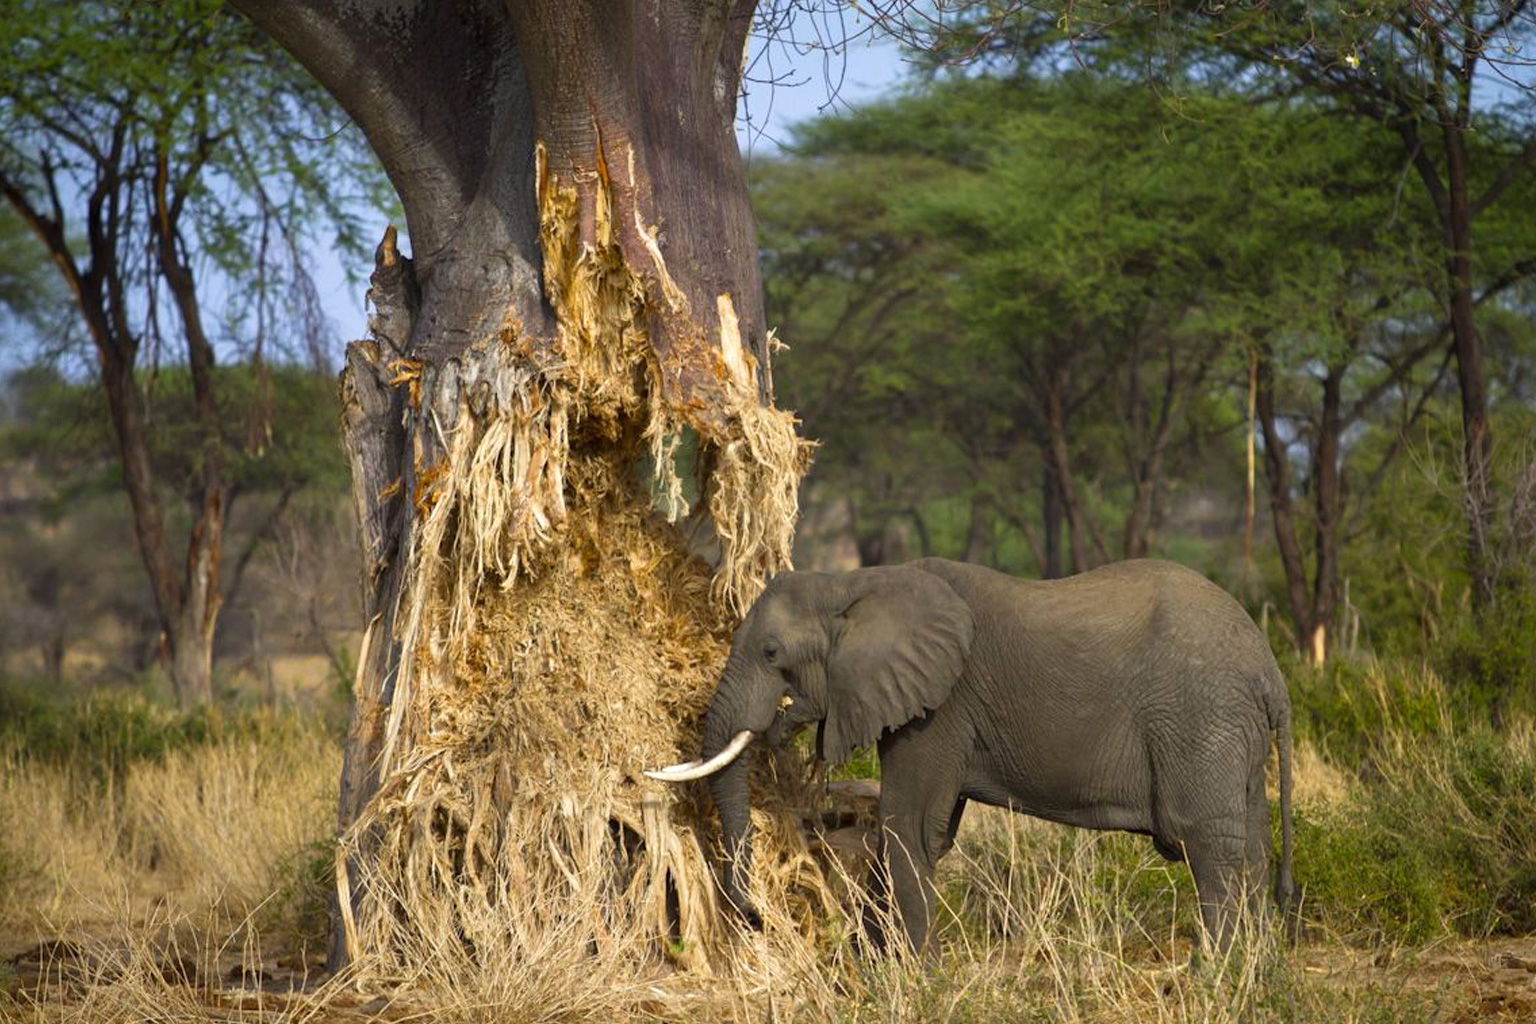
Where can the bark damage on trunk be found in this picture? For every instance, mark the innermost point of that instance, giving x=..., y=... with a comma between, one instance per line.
x=583, y=297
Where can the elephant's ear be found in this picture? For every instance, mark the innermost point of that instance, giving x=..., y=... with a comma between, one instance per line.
x=899, y=646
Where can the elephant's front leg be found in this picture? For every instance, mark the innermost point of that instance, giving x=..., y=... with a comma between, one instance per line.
x=920, y=810
x=907, y=876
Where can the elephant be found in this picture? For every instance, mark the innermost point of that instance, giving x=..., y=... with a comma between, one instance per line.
x=1137, y=697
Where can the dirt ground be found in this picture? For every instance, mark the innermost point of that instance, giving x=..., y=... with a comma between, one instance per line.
x=1471, y=981
x=1465, y=982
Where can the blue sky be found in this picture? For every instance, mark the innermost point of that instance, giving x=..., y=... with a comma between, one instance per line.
x=812, y=80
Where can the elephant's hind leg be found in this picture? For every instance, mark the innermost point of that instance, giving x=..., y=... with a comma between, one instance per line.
x=1204, y=813
x=1217, y=862
x=1256, y=861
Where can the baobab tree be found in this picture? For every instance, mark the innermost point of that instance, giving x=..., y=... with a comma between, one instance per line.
x=581, y=304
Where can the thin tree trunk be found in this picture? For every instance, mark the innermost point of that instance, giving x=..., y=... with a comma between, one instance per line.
x=920, y=525
x=1250, y=507
x=1061, y=460
x=186, y=603
x=192, y=631
x=1050, y=519
x=53, y=657
x=871, y=546
x=1137, y=537
x=1327, y=505
x=978, y=535
x=1278, y=474
x=1477, y=437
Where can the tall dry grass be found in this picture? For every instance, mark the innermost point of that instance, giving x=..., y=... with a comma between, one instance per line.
x=217, y=829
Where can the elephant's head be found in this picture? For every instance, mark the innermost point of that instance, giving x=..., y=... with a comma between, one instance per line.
x=860, y=652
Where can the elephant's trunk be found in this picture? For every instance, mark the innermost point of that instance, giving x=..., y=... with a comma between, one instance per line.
x=729, y=789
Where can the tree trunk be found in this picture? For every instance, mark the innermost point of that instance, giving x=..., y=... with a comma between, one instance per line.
x=186, y=604
x=574, y=305
x=1050, y=518
x=1477, y=438
x=1061, y=460
x=1327, y=510
x=978, y=536
x=871, y=546
x=1250, y=507
x=54, y=648
x=192, y=628
x=1277, y=472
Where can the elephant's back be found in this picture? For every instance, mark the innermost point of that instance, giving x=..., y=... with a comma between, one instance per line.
x=1130, y=619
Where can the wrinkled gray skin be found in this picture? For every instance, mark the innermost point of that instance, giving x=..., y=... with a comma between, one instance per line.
x=1138, y=697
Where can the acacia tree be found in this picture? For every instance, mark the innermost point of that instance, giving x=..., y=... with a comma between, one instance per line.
x=1031, y=295
x=582, y=292
x=146, y=148
x=1449, y=80
x=1412, y=69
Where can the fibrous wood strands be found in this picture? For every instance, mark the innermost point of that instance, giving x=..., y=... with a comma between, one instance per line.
x=558, y=635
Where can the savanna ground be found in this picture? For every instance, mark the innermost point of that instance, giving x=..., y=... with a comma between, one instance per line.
x=155, y=866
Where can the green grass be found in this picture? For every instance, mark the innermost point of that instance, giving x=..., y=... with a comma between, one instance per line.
x=105, y=732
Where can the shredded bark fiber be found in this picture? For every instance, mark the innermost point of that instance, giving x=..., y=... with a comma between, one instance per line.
x=558, y=637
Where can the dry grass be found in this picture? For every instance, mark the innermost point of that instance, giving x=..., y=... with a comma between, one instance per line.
x=208, y=831
x=162, y=886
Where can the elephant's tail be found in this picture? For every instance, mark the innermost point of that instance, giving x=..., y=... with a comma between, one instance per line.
x=1279, y=707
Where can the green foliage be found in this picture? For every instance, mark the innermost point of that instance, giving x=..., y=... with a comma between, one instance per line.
x=864, y=764
x=30, y=290
x=299, y=909
x=256, y=153
x=948, y=265
x=1348, y=708
x=1489, y=661
x=1363, y=878
x=1443, y=840
x=102, y=734
x=278, y=427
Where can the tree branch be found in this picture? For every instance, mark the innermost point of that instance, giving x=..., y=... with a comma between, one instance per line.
x=1507, y=176
x=261, y=533
x=1393, y=376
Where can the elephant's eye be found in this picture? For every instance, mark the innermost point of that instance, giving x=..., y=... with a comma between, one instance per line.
x=770, y=652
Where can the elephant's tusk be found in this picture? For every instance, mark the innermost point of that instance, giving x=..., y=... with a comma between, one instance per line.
x=699, y=769
x=681, y=766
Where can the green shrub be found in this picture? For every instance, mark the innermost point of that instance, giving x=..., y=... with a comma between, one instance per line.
x=1489, y=662
x=302, y=886
x=1362, y=880
x=863, y=764
x=1443, y=840
x=107, y=731
x=1347, y=708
